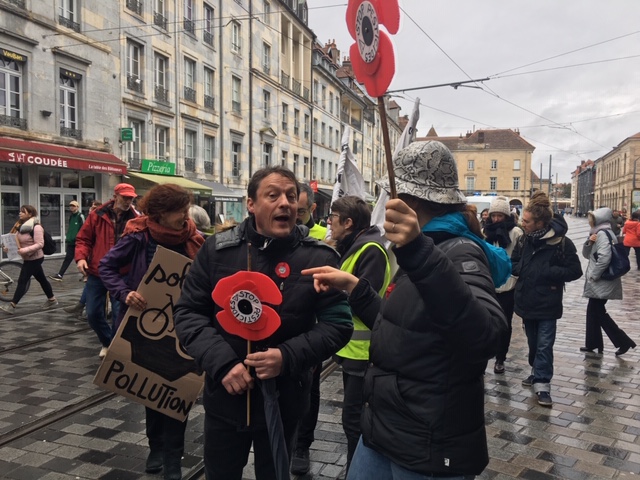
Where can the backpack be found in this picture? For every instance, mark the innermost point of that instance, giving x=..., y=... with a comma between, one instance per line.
x=619, y=264
x=49, y=247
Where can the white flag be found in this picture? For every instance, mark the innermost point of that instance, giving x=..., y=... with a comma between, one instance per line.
x=349, y=180
x=408, y=135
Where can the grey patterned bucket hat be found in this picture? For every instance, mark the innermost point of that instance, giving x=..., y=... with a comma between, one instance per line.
x=426, y=170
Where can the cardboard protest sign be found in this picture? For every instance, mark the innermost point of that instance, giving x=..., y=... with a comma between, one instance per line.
x=145, y=362
x=10, y=242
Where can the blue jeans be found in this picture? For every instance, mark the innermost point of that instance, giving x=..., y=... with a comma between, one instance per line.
x=541, y=335
x=368, y=464
x=96, y=294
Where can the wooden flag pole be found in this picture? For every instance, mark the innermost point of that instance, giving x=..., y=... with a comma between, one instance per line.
x=387, y=147
x=248, y=343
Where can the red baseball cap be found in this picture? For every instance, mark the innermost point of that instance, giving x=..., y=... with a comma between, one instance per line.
x=125, y=190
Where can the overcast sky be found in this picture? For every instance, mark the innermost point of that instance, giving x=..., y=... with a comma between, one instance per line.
x=571, y=112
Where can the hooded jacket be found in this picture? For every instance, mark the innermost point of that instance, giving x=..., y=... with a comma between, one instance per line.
x=434, y=332
x=599, y=256
x=543, y=265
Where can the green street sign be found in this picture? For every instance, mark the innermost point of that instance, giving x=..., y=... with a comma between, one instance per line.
x=126, y=135
x=158, y=168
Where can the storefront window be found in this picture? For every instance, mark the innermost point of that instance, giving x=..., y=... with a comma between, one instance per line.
x=88, y=181
x=49, y=178
x=10, y=210
x=70, y=180
x=11, y=176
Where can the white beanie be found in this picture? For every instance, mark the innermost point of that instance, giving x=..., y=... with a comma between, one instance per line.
x=500, y=205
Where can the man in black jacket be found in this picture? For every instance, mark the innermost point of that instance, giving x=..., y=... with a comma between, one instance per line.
x=313, y=326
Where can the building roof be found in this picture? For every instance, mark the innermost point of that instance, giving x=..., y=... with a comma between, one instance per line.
x=498, y=139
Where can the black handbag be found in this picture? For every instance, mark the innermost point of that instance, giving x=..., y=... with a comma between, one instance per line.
x=619, y=264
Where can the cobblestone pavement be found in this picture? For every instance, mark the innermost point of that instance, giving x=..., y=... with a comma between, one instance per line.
x=591, y=432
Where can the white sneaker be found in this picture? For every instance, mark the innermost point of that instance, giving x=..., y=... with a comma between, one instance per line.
x=103, y=352
x=10, y=309
x=49, y=303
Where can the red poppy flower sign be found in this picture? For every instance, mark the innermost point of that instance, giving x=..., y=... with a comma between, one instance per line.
x=372, y=55
x=243, y=297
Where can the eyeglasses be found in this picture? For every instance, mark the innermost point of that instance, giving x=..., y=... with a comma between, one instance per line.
x=302, y=211
x=331, y=215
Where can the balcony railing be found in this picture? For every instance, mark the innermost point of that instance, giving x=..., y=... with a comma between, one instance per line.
x=208, y=38
x=8, y=121
x=266, y=68
x=355, y=123
x=305, y=93
x=135, y=6
x=189, y=26
x=160, y=20
x=344, y=116
x=189, y=164
x=68, y=23
x=189, y=94
x=18, y=3
x=284, y=79
x=161, y=94
x=134, y=83
x=208, y=167
x=295, y=86
x=134, y=162
x=209, y=102
x=71, y=132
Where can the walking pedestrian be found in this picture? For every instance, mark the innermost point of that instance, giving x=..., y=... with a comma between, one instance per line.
x=631, y=232
x=544, y=260
x=165, y=222
x=597, y=249
x=313, y=326
x=437, y=327
x=101, y=231
x=502, y=231
x=30, y=235
x=76, y=219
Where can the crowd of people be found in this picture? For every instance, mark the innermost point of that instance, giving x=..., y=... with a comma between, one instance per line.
x=413, y=344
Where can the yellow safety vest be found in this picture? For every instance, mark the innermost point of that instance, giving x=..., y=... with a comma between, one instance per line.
x=318, y=232
x=358, y=346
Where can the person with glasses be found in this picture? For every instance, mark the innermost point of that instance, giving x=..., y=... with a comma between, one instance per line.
x=98, y=234
x=306, y=207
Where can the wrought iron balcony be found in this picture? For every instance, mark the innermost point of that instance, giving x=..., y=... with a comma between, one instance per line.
x=189, y=26
x=8, y=121
x=266, y=68
x=161, y=94
x=134, y=162
x=189, y=94
x=190, y=164
x=134, y=83
x=71, y=132
x=18, y=3
x=305, y=93
x=68, y=23
x=135, y=6
x=295, y=86
x=284, y=80
x=160, y=20
x=209, y=102
x=208, y=38
x=208, y=167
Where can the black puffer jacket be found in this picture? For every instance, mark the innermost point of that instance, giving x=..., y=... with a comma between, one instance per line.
x=543, y=266
x=424, y=389
x=304, y=342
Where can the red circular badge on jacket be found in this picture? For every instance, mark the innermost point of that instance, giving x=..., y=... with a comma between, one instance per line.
x=283, y=270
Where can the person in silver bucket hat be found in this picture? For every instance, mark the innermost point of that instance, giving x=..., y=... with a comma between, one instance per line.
x=434, y=331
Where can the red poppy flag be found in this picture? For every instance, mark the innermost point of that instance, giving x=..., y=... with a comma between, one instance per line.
x=243, y=297
x=372, y=56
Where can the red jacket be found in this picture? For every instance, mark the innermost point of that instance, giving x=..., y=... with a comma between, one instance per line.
x=98, y=235
x=631, y=232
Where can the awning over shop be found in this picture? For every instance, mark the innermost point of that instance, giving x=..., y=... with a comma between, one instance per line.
x=195, y=187
x=220, y=193
x=23, y=152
